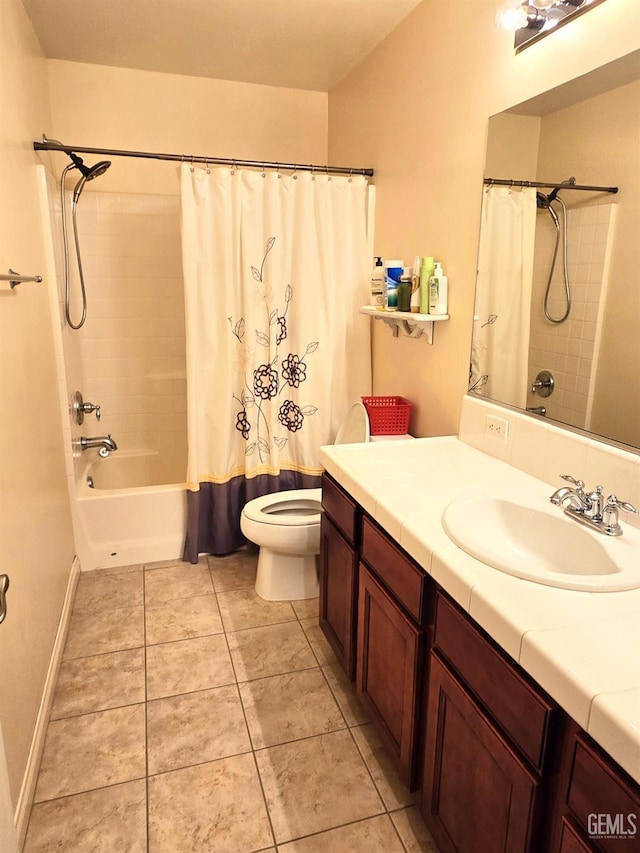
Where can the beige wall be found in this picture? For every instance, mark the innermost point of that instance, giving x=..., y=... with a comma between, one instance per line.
x=416, y=110
x=120, y=108
x=598, y=141
x=36, y=547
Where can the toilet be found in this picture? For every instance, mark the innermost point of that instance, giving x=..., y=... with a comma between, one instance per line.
x=286, y=527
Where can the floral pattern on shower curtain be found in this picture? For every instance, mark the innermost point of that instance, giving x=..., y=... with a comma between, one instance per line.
x=275, y=270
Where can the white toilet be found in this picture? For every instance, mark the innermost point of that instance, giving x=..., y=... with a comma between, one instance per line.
x=286, y=526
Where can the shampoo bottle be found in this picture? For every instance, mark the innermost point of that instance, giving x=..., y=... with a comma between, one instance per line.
x=426, y=271
x=377, y=285
x=438, y=291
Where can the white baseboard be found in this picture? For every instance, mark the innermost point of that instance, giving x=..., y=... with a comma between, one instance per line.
x=27, y=791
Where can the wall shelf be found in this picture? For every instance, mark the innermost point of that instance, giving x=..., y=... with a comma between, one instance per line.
x=412, y=325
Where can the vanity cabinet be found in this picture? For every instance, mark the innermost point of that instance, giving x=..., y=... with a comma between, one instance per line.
x=479, y=794
x=338, y=572
x=389, y=656
x=487, y=743
x=391, y=640
x=601, y=808
x=494, y=763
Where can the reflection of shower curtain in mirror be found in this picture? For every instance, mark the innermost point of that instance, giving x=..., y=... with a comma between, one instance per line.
x=275, y=270
x=500, y=349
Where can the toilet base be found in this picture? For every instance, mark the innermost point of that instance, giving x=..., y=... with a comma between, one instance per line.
x=286, y=577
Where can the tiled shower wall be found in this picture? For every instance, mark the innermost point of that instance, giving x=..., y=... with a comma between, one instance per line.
x=569, y=349
x=130, y=354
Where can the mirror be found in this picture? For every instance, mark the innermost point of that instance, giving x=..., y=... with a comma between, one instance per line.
x=586, y=131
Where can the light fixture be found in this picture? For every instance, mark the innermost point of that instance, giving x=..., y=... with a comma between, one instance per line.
x=534, y=19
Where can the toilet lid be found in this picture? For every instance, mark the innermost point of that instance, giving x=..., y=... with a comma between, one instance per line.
x=355, y=427
x=293, y=508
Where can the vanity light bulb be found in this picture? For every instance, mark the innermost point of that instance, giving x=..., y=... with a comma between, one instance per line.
x=512, y=18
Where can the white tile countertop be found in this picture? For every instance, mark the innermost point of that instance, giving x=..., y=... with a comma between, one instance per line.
x=581, y=647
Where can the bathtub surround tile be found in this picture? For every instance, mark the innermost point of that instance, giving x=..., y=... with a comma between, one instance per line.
x=243, y=608
x=307, y=608
x=394, y=794
x=195, y=728
x=98, y=683
x=100, y=631
x=176, y=581
x=182, y=619
x=236, y=571
x=216, y=806
x=345, y=694
x=105, y=820
x=270, y=650
x=316, y=784
x=92, y=751
x=321, y=648
x=289, y=707
x=188, y=665
x=413, y=832
x=97, y=591
x=373, y=835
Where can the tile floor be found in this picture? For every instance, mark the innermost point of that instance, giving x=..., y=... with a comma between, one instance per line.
x=191, y=715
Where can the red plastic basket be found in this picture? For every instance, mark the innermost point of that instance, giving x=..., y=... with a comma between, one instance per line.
x=387, y=415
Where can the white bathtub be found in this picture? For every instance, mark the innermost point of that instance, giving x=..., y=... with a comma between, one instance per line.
x=127, y=517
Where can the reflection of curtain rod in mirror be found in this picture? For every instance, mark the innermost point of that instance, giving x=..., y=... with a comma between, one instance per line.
x=500, y=182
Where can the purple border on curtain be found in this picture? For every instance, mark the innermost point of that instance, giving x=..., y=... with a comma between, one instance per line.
x=213, y=512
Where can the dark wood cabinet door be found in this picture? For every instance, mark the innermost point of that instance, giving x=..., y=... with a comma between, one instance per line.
x=478, y=794
x=338, y=594
x=388, y=669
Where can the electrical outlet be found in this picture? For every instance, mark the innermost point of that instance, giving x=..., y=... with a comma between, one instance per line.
x=497, y=428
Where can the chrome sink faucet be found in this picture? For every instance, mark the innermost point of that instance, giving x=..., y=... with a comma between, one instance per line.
x=591, y=509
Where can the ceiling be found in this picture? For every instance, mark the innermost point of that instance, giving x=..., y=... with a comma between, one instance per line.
x=304, y=44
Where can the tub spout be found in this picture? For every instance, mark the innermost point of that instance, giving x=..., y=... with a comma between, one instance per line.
x=104, y=443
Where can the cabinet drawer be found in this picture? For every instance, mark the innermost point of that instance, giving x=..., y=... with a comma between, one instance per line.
x=343, y=510
x=602, y=798
x=520, y=710
x=401, y=576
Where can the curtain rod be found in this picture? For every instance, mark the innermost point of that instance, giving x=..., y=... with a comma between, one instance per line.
x=563, y=186
x=50, y=145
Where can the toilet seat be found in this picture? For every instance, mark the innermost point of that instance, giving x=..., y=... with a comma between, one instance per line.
x=293, y=508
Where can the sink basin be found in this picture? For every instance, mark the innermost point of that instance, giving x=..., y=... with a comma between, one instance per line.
x=543, y=545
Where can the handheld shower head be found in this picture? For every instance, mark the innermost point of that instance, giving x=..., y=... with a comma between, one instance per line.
x=88, y=173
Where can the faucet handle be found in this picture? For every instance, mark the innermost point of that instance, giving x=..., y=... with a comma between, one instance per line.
x=579, y=484
x=612, y=501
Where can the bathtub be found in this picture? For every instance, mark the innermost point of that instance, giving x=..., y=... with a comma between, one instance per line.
x=127, y=516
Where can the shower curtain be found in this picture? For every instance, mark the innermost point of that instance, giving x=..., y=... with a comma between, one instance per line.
x=275, y=270
x=500, y=349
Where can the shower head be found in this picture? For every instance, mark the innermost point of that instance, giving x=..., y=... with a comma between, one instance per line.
x=542, y=201
x=88, y=173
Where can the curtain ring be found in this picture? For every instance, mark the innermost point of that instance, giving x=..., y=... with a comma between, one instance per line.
x=232, y=171
x=295, y=172
x=206, y=165
x=313, y=177
x=350, y=175
x=263, y=171
x=191, y=167
x=278, y=170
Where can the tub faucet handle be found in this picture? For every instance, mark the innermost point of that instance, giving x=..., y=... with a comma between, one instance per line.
x=80, y=408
